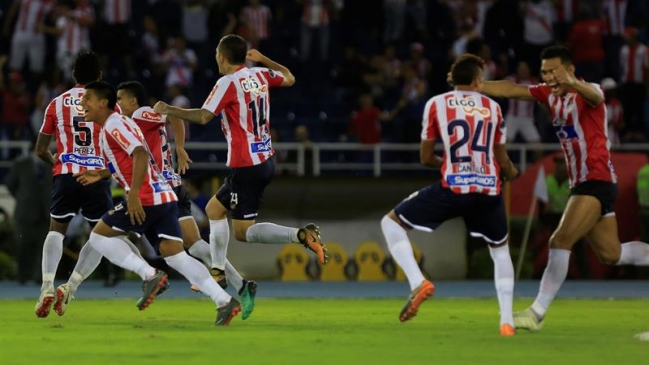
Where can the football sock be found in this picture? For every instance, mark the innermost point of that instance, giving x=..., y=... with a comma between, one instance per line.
x=504, y=280
x=198, y=275
x=634, y=253
x=201, y=250
x=233, y=276
x=52, y=253
x=120, y=254
x=89, y=259
x=553, y=276
x=401, y=251
x=271, y=233
x=219, y=238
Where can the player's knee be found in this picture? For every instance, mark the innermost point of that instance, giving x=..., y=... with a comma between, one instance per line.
x=610, y=256
x=170, y=247
x=240, y=235
x=561, y=240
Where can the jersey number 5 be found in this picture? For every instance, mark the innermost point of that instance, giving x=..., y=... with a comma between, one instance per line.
x=82, y=134
x=467, y=135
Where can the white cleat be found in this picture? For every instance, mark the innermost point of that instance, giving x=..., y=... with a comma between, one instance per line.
x=528, y=320
x=44, y=303
x=63, y=298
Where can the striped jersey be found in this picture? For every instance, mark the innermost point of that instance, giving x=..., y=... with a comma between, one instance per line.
x=119, y=138
x=77, y=141
x=152, y=125
x=31, y=15
x=582, y=132
x=469, y=124
x=243, y=100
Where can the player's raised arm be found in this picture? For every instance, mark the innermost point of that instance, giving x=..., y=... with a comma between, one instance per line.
x=200, y=116
x=256, y=56
x=506, y=89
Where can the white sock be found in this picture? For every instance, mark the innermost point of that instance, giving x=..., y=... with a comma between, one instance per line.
x=634, y=253
x=75, y=280
x=201, y=250
x=89, y=259
x=120, y=254
x=504, y=280
x=271, y=233
x=553, y=276
x=401, y=251
x=233, y=276
x=219, y=238
x=52, y=253
x=198, y=275
x=132, y=246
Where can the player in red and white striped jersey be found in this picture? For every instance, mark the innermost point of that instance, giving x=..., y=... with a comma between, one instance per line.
x=471, y=128
x=131, y=96
x=579, y=119
x=28, y=37
x=72, y=32
x=150, y=208
x=78, y=149
x=242, y=99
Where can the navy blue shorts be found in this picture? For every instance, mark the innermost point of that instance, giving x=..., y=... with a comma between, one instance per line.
x=604, y=191
x=68, y=196
x=426, y=209
x=161, y=222
x=243, y=190
x=184, y=203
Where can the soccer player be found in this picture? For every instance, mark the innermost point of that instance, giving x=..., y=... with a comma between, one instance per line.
x=78, y=150
x=131, y=97
x=151, y=206
x=579, y=120
x=472, y=130
x=242, y=98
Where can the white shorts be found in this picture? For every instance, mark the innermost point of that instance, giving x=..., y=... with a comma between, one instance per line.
x=523, y=125
x=23, y=44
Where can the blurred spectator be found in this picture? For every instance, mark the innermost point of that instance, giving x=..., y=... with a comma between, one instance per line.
x=642, y=185
x=115, y=30
x=195, y=30
x=419, y=62
x=634, y=59
x=14, y=124
x=566, y=11
x=394, y=15
x=28, y=40
x=48, y=90
x=558, y=193
x=614, y=111
x=315, y=23
x=301, y=135
x=539, y=17
x=257, y=18
x=365, y=125
x=520, y=114
x=614, y=14
x=177, y=98
x=180, y=63
x=30, y=182
x=585, y=42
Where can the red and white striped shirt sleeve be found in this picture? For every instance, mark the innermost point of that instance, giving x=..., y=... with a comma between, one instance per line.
x=273, y=78
x=49, y=120
x=124, y=137
x=540, y=92
x=223, y=93
x=430, y=126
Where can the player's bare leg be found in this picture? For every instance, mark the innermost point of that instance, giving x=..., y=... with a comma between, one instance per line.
x=604, y=240
x=580, y=216
x=396, y=236
x=52, y=253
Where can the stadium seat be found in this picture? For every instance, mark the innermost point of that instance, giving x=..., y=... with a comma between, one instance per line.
x=335, y=269
x=369, y=258
x=293, y=260
x=419, y=257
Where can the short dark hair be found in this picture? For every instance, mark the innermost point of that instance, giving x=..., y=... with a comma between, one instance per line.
x=104, y=90
x=86, y=68
x=466, y=68
x=559, y=51
x=136, y=89
x=234, y=49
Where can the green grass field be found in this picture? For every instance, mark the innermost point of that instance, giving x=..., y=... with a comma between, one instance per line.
x=320, y=332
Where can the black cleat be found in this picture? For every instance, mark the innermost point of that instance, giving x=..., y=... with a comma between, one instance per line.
x=225, y=313
x=152, y=287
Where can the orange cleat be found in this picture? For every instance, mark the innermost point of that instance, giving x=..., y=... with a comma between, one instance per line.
x=309, y=237
x=507, y=330
x=421, y=293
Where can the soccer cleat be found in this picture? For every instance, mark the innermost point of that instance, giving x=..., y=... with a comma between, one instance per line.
x=63, y=298
x=151, y=287
x=421, y=293
x=528, y=319
x=225, y=313
x=219, y=277
x=309, y=236
x=247, y=295
x=507, y=330
x=44, y=303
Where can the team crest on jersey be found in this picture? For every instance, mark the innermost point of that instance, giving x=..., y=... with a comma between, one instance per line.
x=469, y=106
x=119, y=137
x=72, y=102
x=252, y=85
x=151, y=116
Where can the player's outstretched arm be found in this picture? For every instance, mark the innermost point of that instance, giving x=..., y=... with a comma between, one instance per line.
x=509, y=171
x=200, y=116
x=427, y=154
x=42, y=148
x=506, y=89
x=256, y=56
x=178, y=127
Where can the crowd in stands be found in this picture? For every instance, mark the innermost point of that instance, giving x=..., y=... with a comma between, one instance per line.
x=365, y=69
